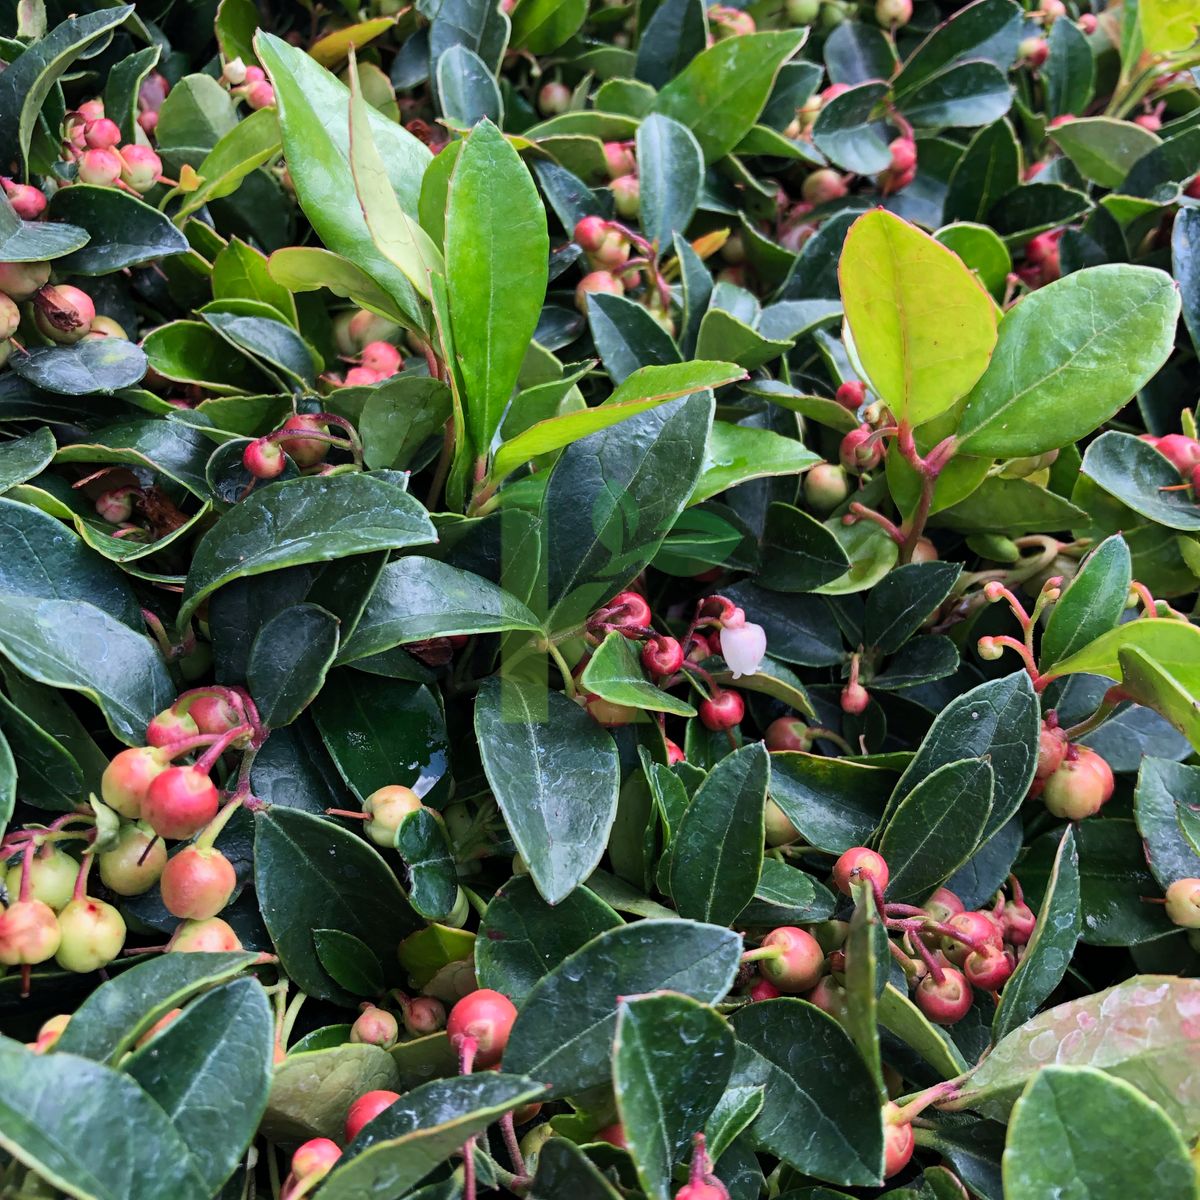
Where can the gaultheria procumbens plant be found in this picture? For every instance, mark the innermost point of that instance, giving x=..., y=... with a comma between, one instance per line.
x=599, y=601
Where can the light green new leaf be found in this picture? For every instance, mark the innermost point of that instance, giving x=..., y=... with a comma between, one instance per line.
x=1068, y=357
x=497, y=267
x=923, y=325
x=1168, y=25
x=399, y=238
x=1174, y=645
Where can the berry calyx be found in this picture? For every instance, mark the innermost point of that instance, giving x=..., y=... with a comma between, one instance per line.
x=29, y=933
x=978, y=928
x=127, y=778
x=1018, y=922
x=170, y=727
x=662, y=656
x=424, y=1015
x=1183, y=903
x=800, y=962
x=387, y=807
x=487, y=1016
x=264, y=459
x=943, y=905
x=135, y=863
x=213, y=936
x=93, y=934
x=860, y=865
x=63, y=313
x=180, y=802
x=898, y=1142
x=1080, y=787
x=307, y=452
x=197, y=883
x=315, y=1158
x=52, y=875
x=375, y=1027
x=366, y=1108
x=722, y=710
x=858, y=453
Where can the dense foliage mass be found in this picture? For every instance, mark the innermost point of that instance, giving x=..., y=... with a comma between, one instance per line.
x=597, y=601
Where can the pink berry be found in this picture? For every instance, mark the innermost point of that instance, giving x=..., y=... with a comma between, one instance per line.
x=859, y=865
x=197, y=883
x=141, y=168
x=315, y=1158
x=213, y=936
x=1087, y=22
x=90, y=110
x=898, y=1143
x=602, y=282
x=375, y=1027
x=170, y=727
x=213, y=714
x=362, y=377
x=29, y=933
x=486, y=1016
x=662, y=656
x=382, y=358
x=589, y=233
x=99, y=167
x=722, y=710
x=126, y=780
x=799, y=965
x=264, y=459
x=1034, y=51
x=1080, y=787
x=854, y=699
x=424, y=1015
x=947, y=1002
x=254, y=75
x=102, y=134
x=180, y=802
x=63, y=313
x=823, y=186
x=553, y=99
x=115, y=506
x=1182, y=452
x=858, y=452
x=851, y=394
x=980, y=930
x=1018, y=922
x=28, y=202
x=904, y=154
x=703, y=1191
x=260, y=94
x=618, y=156
x=305, y=451
x=787, y=734
x=988, y=968
x=891, y=14
x=943, y=905
x=366, y=1108
x=764, y=989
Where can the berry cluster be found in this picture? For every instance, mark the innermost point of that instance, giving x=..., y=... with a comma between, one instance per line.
x=92, y=142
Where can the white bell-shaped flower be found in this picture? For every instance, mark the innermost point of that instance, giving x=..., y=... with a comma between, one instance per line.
x=743, y=647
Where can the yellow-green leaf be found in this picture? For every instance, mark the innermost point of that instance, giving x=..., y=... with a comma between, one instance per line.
x=1168, y=25
x=1173, y=645
x=923, y=326
x=333, y=47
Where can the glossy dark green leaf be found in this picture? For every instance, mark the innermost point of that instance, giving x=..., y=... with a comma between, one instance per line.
x=1185, y=264
x=381, y=731
x=989, y=168
x=312, y=1090
x=1061, y=1137
x=849, y=130
x=313, y=519
x=798, y=552
x=424, y=844
x=970, y=93
x=105, y=366
x=670, y=171
x=49, y=775
x=627, y=336
x=165, y=447
x=210, y=1072
x=921, y=660
x=988, y=29
x=998, y=720
x=1092, y=603
x=672, y=1058
x=554, y=773
x=564, y=1031
x=1069, y=72
x=867, y=964
x=717, y=850
x=197, y=113
x=786, y=895
x=1035, y=206
x=819, y=1112
x=75, y=645
x=471, y=23
x=720, y=93
x=124, y=231
x=903, y=600
x=115, y=1015
x=739, y=453
x=936, y=826
x=800, y=629
x=418, y=598
x=1048, y=952
x=522, y=938
x=496, y=255
x=283, y=352
x=466, y=88
x=1166, y=795
x=674, y=35
x=835, y=804
x=91, y=1131
x=1157, y=176
x=24, y=457
x=564, y=1170
x=399, y=417
x=1133, y=472
x=611, y=499
x=122, y=86
x=347, y=886
x=28, y=80
x=415, y=1134
x=187, y=351
x=288, y=661
x=615, y=673
x=350, y=962
x=857, y=52
x=1112, y=326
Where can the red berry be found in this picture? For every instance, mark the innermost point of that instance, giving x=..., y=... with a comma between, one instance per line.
x=93, y=934
x=904, y=154
x=858, y=453
x=855, y=698
x=366, y=1108
x=1080, y=787
x=829, y=996
x=180, y=802
x=1181, y=451
x=703, y=1191
x=613, y=1134
x=979, y=928
x=362, y=377
x=63, y=313
x=126, y=780
x=988, y=968
x=851, y=394
x=1033, y=51
x=674, y=753
x=212, y=936
x=486, y=1016
x=860, y=865
x=1183, y=903
x=29, y=203
x=787, y=733
x=306, y=452
x=1018, y=922
x=946, y=1002
x=662, y=656
x=424, y=1015
x=260, y=95
x=102, y=134
x=601, y=282
x=213, y=714
x=382, y=358
x=170, y=727
x=29, y=933
x=315, y=1158
x=264, y=459
x=943, y=905
x=628, y=611
x=764, y=989
x=375, y=1027
x=722, y=710
x=589, y=233
x=800, y=964
x=197, y=883
x=898, y=1143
